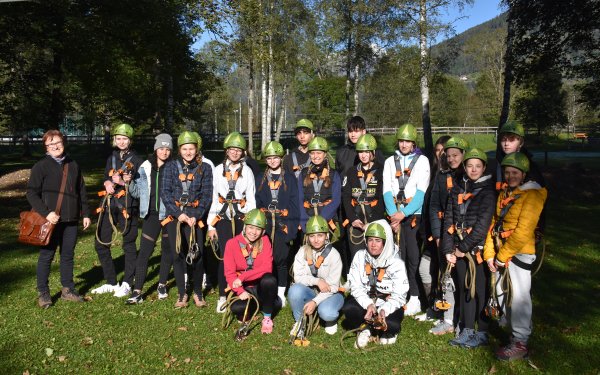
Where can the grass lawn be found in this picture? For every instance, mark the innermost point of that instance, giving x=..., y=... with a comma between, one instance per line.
x=106, y=336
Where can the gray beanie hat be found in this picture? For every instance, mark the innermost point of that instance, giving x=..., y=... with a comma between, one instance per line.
x=163, y=140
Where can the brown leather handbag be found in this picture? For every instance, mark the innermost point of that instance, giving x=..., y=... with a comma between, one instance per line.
x=34, y=229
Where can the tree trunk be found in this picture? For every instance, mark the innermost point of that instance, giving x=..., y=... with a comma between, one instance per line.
x=250, y=107
x=356, y=82
x=348, y=68
x=263, y=104
x=282, y=111
x=424, y=80
x=270, y=98
x=507, y=73
x=170, y=105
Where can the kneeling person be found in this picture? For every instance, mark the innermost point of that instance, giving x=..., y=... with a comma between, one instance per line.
x=379, y=286
x=317, y=272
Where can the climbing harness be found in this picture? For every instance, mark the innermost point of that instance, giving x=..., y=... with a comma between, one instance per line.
x=308, y=324
x=298, y=168
x=230, y=203
x=445, y=286
x=315, y=201
x=315, y=265
x=362, y=205
x=272, y=208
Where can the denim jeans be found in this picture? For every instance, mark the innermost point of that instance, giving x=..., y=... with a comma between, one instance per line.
x=328, y=310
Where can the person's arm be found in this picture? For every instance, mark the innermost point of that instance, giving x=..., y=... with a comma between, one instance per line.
x=206, y=191
x=229, y=265
x=397, y=273
x=134, y=189
x=332, y=278
x=302, y=274
x=167, y=194
x=35, y=189
x=421, y=175
x=482, y=224
x=330, y=210
x=358, y=289
x=389, y=172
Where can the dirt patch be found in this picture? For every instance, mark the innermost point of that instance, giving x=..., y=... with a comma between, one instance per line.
x=14, y=184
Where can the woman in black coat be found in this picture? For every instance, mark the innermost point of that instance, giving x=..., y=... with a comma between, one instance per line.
x=42, y=193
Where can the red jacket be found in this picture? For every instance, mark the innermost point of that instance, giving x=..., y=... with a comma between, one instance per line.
x=235, y=264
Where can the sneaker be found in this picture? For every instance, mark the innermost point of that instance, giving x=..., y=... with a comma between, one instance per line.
x=413, y=306
x=221, y=305
x=514, y=350
x=477, y=339
x=199, y=300
x=182, y=301
x=106, y=288
x=69, y=294
x=465, y=335
x=427, y=316
x=295, y=331
x=163, y=293
x=441, y=328
x=44, y=300
x=136, y=298
x=362, y=339
x=331, y=328
x=123, y=291
x=267, y=325
x=388, y=339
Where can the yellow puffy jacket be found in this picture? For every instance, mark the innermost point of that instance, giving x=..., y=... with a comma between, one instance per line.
x=521, y=219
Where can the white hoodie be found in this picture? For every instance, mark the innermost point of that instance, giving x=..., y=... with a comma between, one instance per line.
x=394, y=283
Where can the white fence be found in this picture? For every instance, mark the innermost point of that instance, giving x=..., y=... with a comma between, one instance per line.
x=442, y=130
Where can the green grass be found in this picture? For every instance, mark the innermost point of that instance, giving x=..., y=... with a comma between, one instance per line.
x=106, y=336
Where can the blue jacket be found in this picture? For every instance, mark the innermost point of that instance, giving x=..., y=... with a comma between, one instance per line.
x=333, y=192
x=287, y=199
x=140, y=189
x=201, y=187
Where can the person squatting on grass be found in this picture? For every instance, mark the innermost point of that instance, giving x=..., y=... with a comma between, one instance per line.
x=121, y=169
x=466, y=221
x=405, y=180
x=233, y=196
x=378, y=286
x=443, y=182
x=510, y=249
x=317, y=273
x=248, y=263
x=43, y=190
x=147, y=187
x=277, y=197
x=187, y=190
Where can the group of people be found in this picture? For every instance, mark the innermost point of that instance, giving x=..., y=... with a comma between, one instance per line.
x=411, y=233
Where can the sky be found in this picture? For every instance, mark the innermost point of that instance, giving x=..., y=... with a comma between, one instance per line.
x=479, y=12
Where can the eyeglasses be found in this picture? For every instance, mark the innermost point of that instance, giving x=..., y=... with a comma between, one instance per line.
x=54, y=145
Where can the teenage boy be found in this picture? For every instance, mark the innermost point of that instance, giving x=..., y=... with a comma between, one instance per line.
x=298, y=158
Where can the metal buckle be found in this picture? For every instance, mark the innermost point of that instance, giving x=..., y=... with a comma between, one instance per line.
x=272, y=207
x=184, y=199
x=314, y=201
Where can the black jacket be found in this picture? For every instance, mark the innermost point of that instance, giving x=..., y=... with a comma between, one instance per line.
x=287, y=198
x=44, y=185
x=115, y=161
x=438, y=199
x=346, y=158
x=374, y=192
x=478, y=215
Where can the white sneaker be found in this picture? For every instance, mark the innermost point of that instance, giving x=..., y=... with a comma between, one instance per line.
x=331, y=328
x=204, y=282
x=221, y=305
x=123, y=290
x=295, y=328
x=413, y=306
x=363, y=338
x=387, y=340
x=106, y=288
x=427, y=316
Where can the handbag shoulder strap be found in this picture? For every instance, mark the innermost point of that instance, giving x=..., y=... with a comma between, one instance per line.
x=63, y=184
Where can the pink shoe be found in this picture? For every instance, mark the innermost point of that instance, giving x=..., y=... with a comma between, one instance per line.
x=267, y=325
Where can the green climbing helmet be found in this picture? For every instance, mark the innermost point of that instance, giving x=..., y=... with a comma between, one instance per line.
x=273, y=148
x=199, y=140
x=366, y=142
x=316, y=224
x=123, y=129
x=457, y=142
x=234, y=139
x=185, y=138
x=256, y=217
x=407, y=132
x=517, y=160
x=375, y=230
x=513, y=127
x=475, y=153
x=304, y=124
x=318, y=144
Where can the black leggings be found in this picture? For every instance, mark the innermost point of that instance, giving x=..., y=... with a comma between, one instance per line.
x=409, y=251
x=472, y=309
x=65, y=236
x=265, y=292
x=281, y=251
x=105, y=233
x=355, y=316
x=151, y=229
x=179, y=260
x=223, y=228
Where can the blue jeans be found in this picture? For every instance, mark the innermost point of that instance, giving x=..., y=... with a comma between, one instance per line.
x=328, y=310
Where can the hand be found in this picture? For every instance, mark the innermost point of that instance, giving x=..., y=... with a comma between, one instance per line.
x=244, y=296
x=323, y=286
x=437, y=243
x=127, y=177
x=86, y=223
x=491, y=265
x=451, y=258
x=191, y=221
x=358, y=224
x=395, y=226
x=236, y=283
x=398, y=216
x=499, y=263
x=212, y=234
x=116, y=178
x=382, y=314
x=183, y=218
x=53, y=217
x=109, y=187
x=371, y=310
x=309, y=307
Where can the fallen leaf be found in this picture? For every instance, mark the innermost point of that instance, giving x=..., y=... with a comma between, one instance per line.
x=88, y=298
x=532, y=365
x=492, y=370
x=26, y=372
x=49, y=352
x=184, y=328
x=62, y=358
x=187, y=360
x=87, y=341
